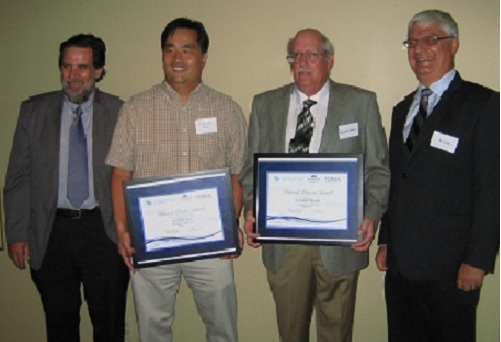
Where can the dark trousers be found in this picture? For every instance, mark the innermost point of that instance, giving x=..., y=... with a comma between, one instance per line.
x=429, y=311
x=79, y=253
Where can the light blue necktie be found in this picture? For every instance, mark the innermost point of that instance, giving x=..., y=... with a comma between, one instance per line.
x=78, y=173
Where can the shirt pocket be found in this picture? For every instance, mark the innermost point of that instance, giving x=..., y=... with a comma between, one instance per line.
x=211, y=151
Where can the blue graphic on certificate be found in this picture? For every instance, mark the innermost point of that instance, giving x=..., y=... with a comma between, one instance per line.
x=187, y=218
x=307, y=201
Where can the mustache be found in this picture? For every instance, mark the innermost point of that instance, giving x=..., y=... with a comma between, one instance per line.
x=70, y=82
x=304, y=69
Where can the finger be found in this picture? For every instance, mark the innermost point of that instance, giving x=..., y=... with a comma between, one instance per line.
x=381, y=265
x=251, y=242
x=365, y=243
x=465, y=286
x=126, y=257
x=20, y=262
x=229, y=256
x=249, y=228
x=17, y=258
x=127, y=262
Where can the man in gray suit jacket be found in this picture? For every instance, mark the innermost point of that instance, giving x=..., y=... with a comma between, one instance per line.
x=346, y=120
x=68, y=241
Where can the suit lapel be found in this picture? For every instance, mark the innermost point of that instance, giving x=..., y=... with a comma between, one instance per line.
x=99, y=132
x=335, y=108
x=279, y=112
x=441, y=110
x=53, y=139
x=398, y=122
x=98, y=126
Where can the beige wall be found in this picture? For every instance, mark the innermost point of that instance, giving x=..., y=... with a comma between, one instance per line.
x=246, y=56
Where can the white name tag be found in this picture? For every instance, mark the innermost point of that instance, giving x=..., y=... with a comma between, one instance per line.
x=206, y=125
x=444, y=142
x=348, y=131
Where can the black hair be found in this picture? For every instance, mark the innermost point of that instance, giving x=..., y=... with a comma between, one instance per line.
x=87, y=41
x=184, y=23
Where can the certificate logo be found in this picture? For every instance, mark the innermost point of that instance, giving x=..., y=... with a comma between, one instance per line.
x=332, y=179
x=313, y=179
x=289, y=178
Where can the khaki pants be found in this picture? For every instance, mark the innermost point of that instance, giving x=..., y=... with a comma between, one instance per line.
x=213, y=287
x=303, y=283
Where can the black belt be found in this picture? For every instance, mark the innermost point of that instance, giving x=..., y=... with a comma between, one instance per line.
x=75, y=213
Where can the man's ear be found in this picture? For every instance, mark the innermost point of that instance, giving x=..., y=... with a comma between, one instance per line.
x=455, y=45
x=98, y=74
x=331, y=62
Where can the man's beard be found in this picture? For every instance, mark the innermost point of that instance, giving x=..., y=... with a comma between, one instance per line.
x=80, y=97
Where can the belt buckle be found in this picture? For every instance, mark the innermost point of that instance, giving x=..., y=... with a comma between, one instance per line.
x=76, y=214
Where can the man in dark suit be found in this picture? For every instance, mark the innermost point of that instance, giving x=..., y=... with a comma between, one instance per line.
x=58, y=211
x=441, y=232
x=345, y=120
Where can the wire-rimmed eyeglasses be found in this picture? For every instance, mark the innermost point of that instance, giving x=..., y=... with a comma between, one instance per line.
x=426, y=41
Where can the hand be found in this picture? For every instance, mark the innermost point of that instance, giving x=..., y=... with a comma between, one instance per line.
x=19, y=252
x=125, y=248
x=382, y=254
x=470, y=278
x=249, y=229
x=240, y=243
x=366, y=230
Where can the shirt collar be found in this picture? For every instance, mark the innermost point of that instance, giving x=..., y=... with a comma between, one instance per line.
x=322, y=93
x=440, y=86
x=86, y=106
x=175, y=95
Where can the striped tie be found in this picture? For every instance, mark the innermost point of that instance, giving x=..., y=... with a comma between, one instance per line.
x=419, y=119
x=304, y=130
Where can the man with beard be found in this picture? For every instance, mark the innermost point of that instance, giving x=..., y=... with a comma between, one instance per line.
x=58, y=211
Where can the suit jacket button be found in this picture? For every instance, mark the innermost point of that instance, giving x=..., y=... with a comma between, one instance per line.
x=405, y=175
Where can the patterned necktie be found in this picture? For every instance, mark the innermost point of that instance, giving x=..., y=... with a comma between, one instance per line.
x=304, y=130
x=419, y=118
x=78, y=173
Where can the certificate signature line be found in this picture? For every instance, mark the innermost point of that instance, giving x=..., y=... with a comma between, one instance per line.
x=299, y=219
x=181, y=238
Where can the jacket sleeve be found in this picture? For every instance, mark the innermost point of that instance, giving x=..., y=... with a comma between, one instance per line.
x=483, y=242
x=376, y=168
x=18, y=181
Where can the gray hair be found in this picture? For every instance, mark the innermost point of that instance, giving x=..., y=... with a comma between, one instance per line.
x=326, y=45
x=429, y=17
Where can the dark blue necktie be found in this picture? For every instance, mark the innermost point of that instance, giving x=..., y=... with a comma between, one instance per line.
x=78, y=172
x=419, y=119
x=304, y=130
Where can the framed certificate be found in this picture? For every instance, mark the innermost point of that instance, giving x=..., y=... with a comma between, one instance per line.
x=182, y=217
x=310, y=198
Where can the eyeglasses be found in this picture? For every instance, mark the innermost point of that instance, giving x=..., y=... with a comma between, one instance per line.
x=311, y=56
x=426, y=41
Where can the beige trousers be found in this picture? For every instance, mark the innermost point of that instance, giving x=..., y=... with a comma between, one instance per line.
x=301, y=284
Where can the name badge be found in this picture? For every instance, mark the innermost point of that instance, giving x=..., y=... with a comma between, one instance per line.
x=444, y=142
x=206, y=125
x=348, y=131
